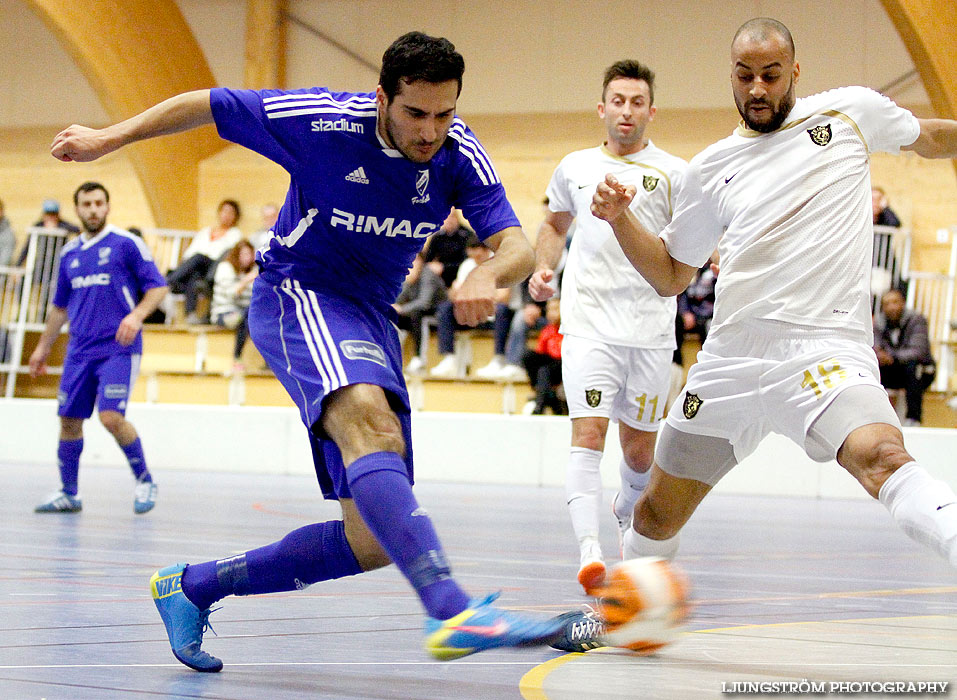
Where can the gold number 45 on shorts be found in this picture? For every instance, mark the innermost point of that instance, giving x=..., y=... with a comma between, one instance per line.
x=829, y=373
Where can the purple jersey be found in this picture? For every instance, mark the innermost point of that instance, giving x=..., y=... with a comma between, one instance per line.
x=99, y=282
x=357, y=211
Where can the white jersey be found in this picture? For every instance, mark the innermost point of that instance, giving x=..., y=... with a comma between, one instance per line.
x=603, y=296
x=792, y=210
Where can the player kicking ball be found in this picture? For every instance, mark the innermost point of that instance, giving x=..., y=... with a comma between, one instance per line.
x=373, y=175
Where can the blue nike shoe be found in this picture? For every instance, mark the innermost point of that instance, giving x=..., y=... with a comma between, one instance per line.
x=481, y=626
x=185, y=623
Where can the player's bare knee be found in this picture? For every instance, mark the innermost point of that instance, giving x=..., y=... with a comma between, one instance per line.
x=873, y=462
x=639, y=457
x=380, y=429
x=361, y=422
x=112, y=421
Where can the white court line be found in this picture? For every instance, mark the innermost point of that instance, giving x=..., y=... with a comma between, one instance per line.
x=624, y=658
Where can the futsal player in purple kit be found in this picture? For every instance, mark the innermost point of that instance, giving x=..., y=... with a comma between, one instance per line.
x=107, y=283
x=372, y=176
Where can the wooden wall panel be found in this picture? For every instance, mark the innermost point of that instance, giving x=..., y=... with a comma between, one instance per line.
x=135, y=54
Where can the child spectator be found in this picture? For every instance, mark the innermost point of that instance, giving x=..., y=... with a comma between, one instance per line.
x=544, y=364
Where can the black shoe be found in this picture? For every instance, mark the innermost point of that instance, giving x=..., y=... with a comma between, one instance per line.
x=581, y=631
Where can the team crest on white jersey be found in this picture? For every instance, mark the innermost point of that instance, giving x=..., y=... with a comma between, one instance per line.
x=691, y=405
x=421, y=185
x=358, y=175
x=592, y=397
x=104, y=256
x=820, y=135
x=649, y=183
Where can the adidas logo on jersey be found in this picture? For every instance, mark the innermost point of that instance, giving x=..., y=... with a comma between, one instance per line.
x=358, y=175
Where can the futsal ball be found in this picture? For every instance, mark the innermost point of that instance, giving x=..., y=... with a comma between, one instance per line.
x=643, y=604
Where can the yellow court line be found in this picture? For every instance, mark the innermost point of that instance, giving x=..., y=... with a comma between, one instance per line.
x=531, y=685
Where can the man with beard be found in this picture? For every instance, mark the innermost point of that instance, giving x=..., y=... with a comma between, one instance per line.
x=787, y=200
x=618, y=332
x=101, y=274
x=373, y=175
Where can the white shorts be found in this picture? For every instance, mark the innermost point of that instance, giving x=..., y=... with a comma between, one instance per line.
x=621, y=383
x=775, y=384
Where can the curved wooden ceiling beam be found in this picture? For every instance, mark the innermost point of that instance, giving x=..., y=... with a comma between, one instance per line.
x=929, y=31
x=135, y=54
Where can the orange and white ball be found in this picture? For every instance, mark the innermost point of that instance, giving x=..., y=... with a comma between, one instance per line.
x=644, y=604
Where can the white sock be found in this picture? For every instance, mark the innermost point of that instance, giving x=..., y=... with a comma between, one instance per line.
x=637, y=545
x=925, y=509
x=632, y=484
x=583, y=493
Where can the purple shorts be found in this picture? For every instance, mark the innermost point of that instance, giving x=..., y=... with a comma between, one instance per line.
x=104, y=382
x=317, y=343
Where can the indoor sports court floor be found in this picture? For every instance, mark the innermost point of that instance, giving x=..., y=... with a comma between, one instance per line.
x=785, y=590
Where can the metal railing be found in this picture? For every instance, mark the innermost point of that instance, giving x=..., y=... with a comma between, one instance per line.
x=932, y=294
x=26, y=291
x=26, y=294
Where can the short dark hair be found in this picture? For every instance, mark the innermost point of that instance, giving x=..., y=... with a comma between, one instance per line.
x=761, y=28
x=417, y=56
x=89, y=186
x=629, y=68
x=234, y=204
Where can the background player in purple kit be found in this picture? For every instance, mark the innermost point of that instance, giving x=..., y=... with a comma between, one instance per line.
x=106, y=285
x=372, y=176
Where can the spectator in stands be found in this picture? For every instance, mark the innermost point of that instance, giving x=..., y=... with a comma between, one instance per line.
x=47, y=252
x=447, y=246
x=422, y=292
x=8, y=239
x=883, y=214
x=232, y=290
x=902, y=345
x=270, y=215
x=544, y=364
x=513, y=322
x=48, y=248
x=207, y=247
x=696, y=303
x=448, y=367
x=50, y=217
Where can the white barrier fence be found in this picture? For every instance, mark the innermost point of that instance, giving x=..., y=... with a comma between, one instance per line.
x=448, y=447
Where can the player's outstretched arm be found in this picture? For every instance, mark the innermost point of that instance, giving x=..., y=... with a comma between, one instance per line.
x=938, y=139
x=186, y=111
x=548, y=251
x=644, y=250
x=56, y=317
